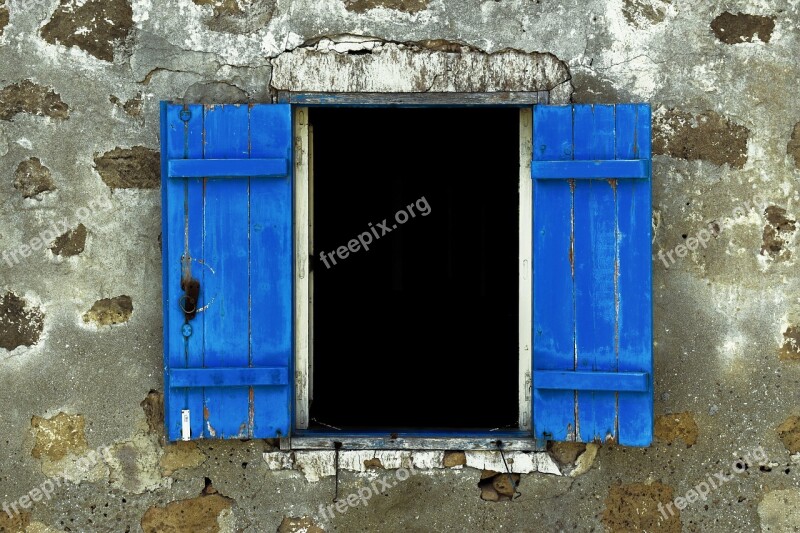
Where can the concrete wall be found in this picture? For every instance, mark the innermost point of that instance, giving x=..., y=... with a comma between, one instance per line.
x=80, y=311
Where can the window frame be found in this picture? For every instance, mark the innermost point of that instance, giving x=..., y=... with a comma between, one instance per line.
x=521, y=438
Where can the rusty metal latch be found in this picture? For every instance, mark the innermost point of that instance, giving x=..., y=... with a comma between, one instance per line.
x=188, y=302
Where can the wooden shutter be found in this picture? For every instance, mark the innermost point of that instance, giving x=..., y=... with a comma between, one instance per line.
x=227, y=270
x=592, y=282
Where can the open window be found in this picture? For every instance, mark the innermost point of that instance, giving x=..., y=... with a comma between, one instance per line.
x=372, y=273
x=417, y=328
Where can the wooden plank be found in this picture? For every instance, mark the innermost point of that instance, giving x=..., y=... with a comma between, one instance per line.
x=172, y=222
x=271, y=275
x=597, y=169
x=179, y=139
x=228, y=168
x=371, y=442
x=593, y=381
x=525, y=268
x=595, y=271
x=229, y=377
x=226, y=245
x=635, y=416
x=301, y=266
x=311, y=253
x=195, y=343
x=414, y=99
x=553, y=305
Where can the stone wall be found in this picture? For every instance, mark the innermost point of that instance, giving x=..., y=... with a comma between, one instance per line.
x=80, y=296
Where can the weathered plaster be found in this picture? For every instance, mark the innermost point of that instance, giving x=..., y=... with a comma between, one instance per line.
x=726, y=314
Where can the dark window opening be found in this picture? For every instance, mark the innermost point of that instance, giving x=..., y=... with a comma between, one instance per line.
x=419, y=331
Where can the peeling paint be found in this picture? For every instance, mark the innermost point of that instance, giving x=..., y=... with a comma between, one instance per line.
x=336, y=64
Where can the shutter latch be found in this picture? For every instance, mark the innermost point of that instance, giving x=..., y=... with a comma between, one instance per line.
x=188, y=302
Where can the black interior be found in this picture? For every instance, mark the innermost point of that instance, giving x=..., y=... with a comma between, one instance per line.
x=420, y=331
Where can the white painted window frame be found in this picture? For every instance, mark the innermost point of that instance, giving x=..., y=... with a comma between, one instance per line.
x=304, y=250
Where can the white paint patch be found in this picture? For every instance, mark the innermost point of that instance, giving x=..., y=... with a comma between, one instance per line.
x=316, y=464
x=279, y=461
x=328, y=66
x=518, y=462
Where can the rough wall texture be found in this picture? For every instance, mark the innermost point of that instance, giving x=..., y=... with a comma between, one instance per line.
x=80, y=314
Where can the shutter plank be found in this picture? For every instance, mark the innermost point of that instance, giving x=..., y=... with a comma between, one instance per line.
x=226, y=248
x=635, y=277
x=595, y=270
x=271, y=276
x=195, y=343
x=180, y=200
x=553, y=305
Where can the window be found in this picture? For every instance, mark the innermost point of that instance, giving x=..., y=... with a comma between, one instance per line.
x=505, y=289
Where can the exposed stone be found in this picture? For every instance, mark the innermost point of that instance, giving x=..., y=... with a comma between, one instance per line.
x=505, y=484
x=585, y=460
x=373, y=463
x=407, y=6
x=17, y=523
x=20, y=324
x=790, y=351
x=153, y=406
x=134, y=465
x=199, y=514
x=181, y=456
x=779, y=511
x=125, y=168
x=32, y=178
x=31, y=98
x=59, y=436
x=38, y=527
x=70, y=243
x=777, y=233
x=634, y=507
x=132, y=107
x=742, y=28
x=110, y=311
x=789, y=433
x=238, y=16
x=488, y=493
x=566, y=452
x=708, y=136
x=644, y=13
x=793, y=148
x=94, y=26
x=452, y=459
x=486, y=474
x=299, y=525
x=673, y=426
x=3, y=16
x=351, y=63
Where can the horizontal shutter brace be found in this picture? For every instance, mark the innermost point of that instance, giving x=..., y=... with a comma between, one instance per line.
x=228, y=168
x=591, y=381
x=597, y=169
x=227, y=377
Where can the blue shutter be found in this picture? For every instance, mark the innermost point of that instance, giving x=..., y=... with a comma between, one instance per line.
x=592, y=281
x=227, y=269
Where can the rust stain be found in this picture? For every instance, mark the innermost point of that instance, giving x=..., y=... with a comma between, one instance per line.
x=572, y=228
x=206, y=414
x=252, y=412
x=191, y=289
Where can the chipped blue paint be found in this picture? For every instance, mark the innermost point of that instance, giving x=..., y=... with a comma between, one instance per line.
x=592, y=320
